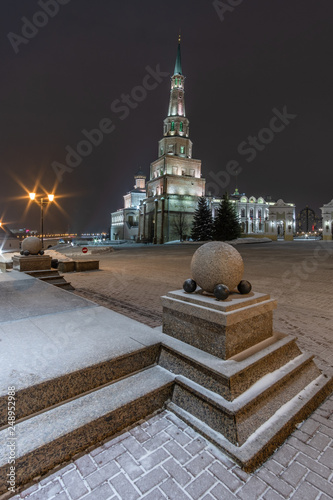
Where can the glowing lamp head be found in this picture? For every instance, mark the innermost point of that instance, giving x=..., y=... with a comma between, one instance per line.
x=32, y=196
x=51, y=197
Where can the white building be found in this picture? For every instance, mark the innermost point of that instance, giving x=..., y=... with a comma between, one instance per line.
x=327, y=215
x=125, y=222
x=259, y=217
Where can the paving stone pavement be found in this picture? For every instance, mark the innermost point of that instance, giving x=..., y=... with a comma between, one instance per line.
x=163, y=458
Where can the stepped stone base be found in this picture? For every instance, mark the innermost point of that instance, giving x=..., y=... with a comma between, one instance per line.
x=261, y=388
x=31, y=262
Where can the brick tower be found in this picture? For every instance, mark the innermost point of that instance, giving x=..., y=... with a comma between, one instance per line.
x=175, y=177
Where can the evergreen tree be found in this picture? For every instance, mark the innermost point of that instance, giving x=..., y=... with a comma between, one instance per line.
x=226, y=224
x=202, y=221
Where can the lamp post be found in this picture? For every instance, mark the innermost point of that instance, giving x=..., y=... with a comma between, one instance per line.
x=42, y=202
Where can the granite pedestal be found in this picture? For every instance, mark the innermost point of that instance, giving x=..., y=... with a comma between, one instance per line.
x=220, y=328
x=31, y=262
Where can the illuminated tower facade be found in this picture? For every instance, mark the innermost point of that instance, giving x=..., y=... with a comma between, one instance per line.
x=175, y=177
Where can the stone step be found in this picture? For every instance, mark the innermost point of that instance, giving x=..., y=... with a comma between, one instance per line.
x=42, y=273
x=269, y=436
x=52, y=437
x=36, y=398
x=233, y=377
x=66, y=285
x=52, y=277
x=238, y=419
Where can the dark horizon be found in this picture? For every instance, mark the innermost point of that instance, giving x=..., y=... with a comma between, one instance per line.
x=262, y=60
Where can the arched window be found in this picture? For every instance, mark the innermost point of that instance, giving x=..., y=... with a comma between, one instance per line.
x=259, y=213
x=243, y=212
x=181, y=127
x=172, y=126
x=182, y=149
x=251, y=213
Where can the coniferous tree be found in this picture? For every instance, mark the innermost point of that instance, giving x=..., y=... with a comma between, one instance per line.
x=202, y=224
x=226, y=225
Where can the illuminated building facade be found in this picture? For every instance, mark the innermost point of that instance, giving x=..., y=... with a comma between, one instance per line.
x=327, y=218
x=125, y=222
x=259, y=217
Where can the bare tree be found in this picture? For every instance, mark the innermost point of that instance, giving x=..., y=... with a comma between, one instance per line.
x=181, y=223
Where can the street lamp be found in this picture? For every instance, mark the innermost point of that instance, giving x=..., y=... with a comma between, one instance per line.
x=42, y=202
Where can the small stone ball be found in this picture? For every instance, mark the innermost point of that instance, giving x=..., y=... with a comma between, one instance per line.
x=221, y=292
x=32, y=244
x=26, y=253
x=217, y=262
x=189, y=286
x=244, y=287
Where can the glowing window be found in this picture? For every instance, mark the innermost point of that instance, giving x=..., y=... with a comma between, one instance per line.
x=172, y=126
x=181, y=127
x=182, y=149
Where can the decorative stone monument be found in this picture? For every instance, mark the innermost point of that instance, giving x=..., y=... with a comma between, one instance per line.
x=32, y=256
x=245, y=387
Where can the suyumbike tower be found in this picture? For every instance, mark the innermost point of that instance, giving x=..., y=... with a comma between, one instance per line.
x=175, y=177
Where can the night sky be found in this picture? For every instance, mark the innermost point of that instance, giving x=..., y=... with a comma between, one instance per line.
x=263, y=55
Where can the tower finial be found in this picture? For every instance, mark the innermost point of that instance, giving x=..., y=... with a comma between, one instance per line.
x=179, y=36
x=178, y=65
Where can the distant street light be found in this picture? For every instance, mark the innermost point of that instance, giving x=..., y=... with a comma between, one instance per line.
x=42, y=202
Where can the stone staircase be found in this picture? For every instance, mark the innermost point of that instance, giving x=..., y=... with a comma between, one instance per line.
x=53, y=277
x=237, y=404
x=61, y=417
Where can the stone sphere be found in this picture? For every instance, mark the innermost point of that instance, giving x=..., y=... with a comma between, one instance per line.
x=32, y=245
x=217, y=263
x=244, y=287
x=221, y=292
x=189, y=286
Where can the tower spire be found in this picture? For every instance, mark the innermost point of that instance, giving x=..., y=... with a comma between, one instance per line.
x=178, y=65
